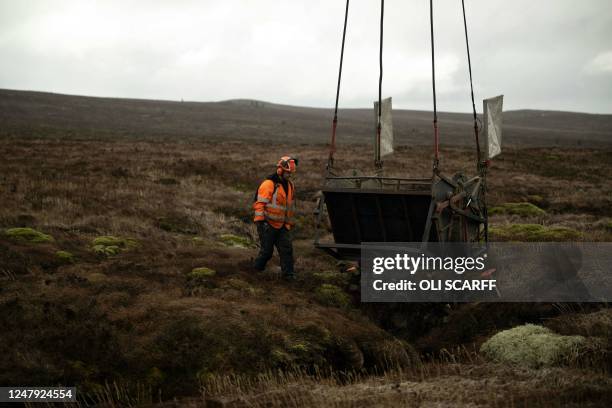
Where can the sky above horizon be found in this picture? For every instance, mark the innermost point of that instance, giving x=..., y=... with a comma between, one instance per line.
x=548, y=54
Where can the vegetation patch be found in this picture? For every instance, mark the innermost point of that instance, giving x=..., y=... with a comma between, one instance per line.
x=538, y=200
x=202, y=272
x=26, y=234
x=235, y=241
x=521, y=209
x=168, y=181
x=109, y=245
x=331, y=295
x=533, y=346
x=64, y=256
x=335, y=278
x=533, y=232
x=178, y=223
x=242, y=286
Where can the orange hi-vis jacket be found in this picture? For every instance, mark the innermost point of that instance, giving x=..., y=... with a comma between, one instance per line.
x=274, y=204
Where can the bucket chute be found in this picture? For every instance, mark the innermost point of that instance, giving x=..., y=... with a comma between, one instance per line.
x=375, y=208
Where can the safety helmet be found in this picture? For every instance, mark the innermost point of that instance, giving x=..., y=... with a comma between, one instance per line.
x=288, y=163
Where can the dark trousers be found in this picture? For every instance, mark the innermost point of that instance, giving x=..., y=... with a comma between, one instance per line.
x=270, y=237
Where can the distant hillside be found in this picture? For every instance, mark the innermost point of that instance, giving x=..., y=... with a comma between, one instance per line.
x=26, y=114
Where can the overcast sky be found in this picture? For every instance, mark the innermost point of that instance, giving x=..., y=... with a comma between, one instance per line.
x=545, y=54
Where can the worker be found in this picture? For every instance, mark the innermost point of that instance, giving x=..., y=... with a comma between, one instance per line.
x=274, y=206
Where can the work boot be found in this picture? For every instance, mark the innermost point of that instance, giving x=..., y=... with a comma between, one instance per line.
x=289, y=278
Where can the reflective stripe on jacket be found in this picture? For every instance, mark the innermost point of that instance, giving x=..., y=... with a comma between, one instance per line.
x=274, y=204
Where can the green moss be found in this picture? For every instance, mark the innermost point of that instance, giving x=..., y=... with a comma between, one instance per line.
x=533, y=232
x=299, y=348
x=106, y=250
x=521, y=209
x=110, y=240
x=26, y=234
x=331, y=295
x=202, y=272
x=108, y=245
x=64, y=256
x=532, y=346
x=235, y=241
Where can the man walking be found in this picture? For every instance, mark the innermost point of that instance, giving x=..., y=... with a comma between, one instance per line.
x=274, y=207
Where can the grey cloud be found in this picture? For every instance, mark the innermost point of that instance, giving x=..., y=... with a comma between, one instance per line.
x=539, y=54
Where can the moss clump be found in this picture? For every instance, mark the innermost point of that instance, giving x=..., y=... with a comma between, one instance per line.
x=64, y=256
x=533, y=232
x=521, y=209
x=26, y=234
x=110, y=240
x=235, y=241
x=299, y=348
x=533, y=346
x=331, y=295
x=202, y=272
x=109, y=245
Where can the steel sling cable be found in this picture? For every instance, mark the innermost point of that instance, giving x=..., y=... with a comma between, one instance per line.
x=480, y=166
x=332, y=147
x=467, y=45
x=433, y=82
x=378, y=162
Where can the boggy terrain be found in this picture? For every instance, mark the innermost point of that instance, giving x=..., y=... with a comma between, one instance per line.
x=124, y=270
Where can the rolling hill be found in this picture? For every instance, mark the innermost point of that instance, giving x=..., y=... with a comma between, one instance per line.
x=25, y=114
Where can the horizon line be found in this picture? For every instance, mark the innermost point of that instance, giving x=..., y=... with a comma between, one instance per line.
x=283, y=104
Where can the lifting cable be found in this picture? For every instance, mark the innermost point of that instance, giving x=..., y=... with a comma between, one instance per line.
x=332, y=147
x=481, y=167
x=467, y=45
x=433, y=81
x=377, y=161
